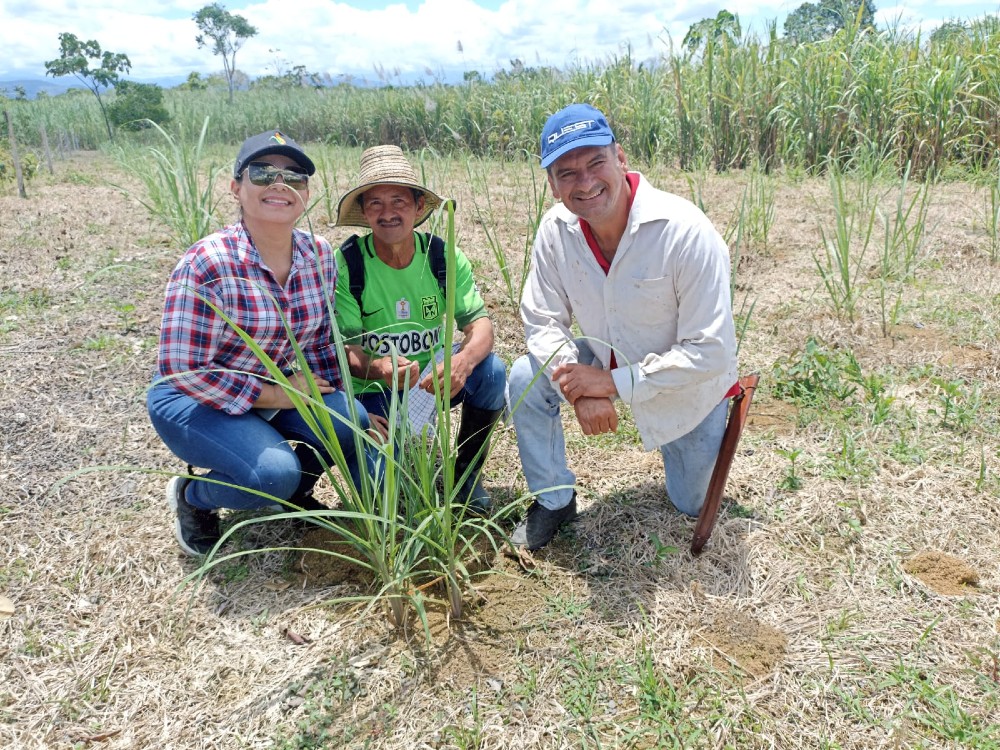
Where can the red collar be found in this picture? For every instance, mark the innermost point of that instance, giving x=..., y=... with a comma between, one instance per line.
x=632, y=178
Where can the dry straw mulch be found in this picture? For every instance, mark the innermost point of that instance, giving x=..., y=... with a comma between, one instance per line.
x=815, y=618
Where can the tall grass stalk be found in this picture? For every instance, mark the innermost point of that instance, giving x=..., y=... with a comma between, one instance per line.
x=905, y=232
x=993, y=219
x=758, y=200
x=695, y=178
x=424, y=534
x=512, y=204
x=733, y=237
x=890, y=287
x=844, y=247
x=328, y=171
x=908, y=228
x=176, y=194
x=747, y=231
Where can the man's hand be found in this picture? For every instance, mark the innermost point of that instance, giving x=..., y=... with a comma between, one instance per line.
x=576, y=381
x=460, y=371
x=379, y=428
x=596, y=415
x=405, y=375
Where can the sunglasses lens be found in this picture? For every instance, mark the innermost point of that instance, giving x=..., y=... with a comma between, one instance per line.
x=294, y=179
x=263, y=175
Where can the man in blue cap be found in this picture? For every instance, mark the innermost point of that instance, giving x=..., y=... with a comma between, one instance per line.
x=645, y=276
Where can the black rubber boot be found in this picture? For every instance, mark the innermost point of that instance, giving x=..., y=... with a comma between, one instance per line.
x=473, y=445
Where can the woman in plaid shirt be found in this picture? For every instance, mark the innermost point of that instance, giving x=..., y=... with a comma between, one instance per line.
x=212, y=401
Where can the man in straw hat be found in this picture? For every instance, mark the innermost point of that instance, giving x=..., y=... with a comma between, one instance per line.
x=399, y=308
x=646, y=277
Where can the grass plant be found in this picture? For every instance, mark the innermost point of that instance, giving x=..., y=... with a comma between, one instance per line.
x=737, y=235
x=328, y=174
x=907, y=226
x=760, y=208
x=905, y=233
x=993, y=218
x=176, y=193
x=528, y=200
x=404, y=523
x=841, y=264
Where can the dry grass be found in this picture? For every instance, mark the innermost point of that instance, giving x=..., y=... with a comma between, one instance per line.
x=805, y=624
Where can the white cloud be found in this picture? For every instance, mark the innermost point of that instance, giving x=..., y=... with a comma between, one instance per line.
x=335, y=38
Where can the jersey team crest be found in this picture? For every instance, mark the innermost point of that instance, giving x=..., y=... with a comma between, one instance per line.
x=429, y=307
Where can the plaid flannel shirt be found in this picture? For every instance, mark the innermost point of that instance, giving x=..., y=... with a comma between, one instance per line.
x=203, y=356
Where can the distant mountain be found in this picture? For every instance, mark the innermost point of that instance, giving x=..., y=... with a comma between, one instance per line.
x=32, y=86
x=56, y=86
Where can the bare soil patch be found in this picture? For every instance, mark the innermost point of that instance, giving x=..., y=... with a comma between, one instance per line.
x=742, y=641
x=944, y=573
x=327, y=560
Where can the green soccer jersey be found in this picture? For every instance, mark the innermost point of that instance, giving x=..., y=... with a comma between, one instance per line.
x=402, y=308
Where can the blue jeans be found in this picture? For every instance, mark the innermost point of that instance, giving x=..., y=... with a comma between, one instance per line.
x=688, y=461
x=247, y=451
x=483, y=389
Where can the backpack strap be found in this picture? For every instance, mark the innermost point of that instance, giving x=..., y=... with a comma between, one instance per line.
x=433, y=246
x=355, y=267
x=435, y=253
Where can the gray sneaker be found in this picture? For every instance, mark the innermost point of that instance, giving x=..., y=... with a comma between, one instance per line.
x=541, y=524
x=196, y=530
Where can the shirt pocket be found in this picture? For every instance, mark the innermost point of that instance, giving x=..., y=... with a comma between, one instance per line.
x=653, y=301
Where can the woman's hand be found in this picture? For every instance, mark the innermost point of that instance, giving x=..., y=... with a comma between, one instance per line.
x=273, y=396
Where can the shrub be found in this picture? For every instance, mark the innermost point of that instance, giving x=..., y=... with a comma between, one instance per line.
x=29, y=164
x=137, y=106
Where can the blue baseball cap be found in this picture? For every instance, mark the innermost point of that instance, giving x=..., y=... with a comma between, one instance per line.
x=572, y=127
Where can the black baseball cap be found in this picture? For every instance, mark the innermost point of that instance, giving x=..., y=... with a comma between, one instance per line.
x=271, y=142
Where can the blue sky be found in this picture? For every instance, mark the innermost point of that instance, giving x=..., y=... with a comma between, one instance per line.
x=368, y=39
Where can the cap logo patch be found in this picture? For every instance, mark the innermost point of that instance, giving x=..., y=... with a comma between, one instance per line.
x=571, y=128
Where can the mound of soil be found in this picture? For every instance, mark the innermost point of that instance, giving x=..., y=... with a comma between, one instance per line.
x=943, y=573
x=757, y=648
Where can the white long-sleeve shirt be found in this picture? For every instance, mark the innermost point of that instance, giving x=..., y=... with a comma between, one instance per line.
x=664, y=306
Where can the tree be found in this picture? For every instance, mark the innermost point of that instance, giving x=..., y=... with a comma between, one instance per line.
x=74, y=59
x=950, y=31
x=136, y=105
x=811, y=22
x=724, y=25
x=297, y=77
x=194, y=82
x=225, y=33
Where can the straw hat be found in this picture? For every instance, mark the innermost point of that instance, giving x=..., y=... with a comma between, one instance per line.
x=383, y=165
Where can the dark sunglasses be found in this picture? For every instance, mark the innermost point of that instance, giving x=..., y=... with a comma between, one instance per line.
x=263, y=174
